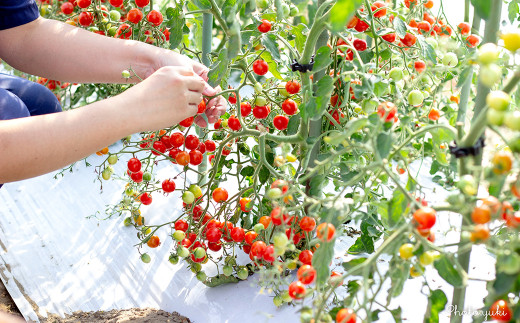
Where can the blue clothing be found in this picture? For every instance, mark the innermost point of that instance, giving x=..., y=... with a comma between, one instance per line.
x=17, y=12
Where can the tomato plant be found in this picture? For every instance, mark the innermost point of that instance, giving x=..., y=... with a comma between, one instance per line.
x=317, y=144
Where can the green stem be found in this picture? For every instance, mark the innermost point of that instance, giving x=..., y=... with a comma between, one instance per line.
x=464, y=97
x=466, y=10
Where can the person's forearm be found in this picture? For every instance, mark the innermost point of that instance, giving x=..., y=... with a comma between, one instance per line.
x=37, y=145
x=58, y=51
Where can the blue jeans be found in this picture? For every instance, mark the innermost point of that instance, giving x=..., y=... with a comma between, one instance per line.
x=21, y=98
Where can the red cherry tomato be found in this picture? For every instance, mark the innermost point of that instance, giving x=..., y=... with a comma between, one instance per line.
x=234, y=123
x=245, y=109
x=290, y=107
x=297, y=290
x=195, y=157
x=280, y=122
x=292, y=87
x=425, y=218
x=192, y=142
x=265, y=26
x=168, y=186
x=155, y=17
x=220, y=195
x=261, y=112
x=260, y=67
x=134, y=15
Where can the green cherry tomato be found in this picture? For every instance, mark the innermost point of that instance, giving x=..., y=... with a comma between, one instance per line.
x=179, y=235
x=243, y=273
x=128, y=221
x=495, y=117
x=406, y=251
x=396, y=74
x=196, y=267
x=286, y=297
x=490, y=74
x=114, y=15
x=450, y=60
x=112, y=159
x=488, y=53
x=512, y=120
x=174, y=259
x=415, y=98
x=183, y=252
x=274, y=193
x=199, y=252
x=260, y=101
x=147, y=176
x=188, y=197
x=262, y=4
x=259, y=227
x=107, y=172
x=201, y=276
x=195, y=189
x=280, y=240
x=145, y=258
x=498, y=100
x=426, y=258
x=227, y=270
x=278, y=301
x=258, y=88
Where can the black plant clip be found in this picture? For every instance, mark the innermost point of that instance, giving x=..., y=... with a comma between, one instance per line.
x=297, y=67
x=474, y=150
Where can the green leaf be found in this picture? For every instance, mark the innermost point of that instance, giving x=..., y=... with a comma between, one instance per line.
x=399, y=271
x=353, y=263
x=465, y=75
x=202, y=4
x=503, y=282
x=450, y=272
x=482, y=7
x=342, y=12
x=384, y=144
x=396, y=313
x=175, y=24
x=273, y=66
x=300, y=32
x=400, y=27
x=322, y=59
x=247, y=171
x=324, y=89
x=436, y=304
x=396, y=208
x=271, y=44
x=219, y=69
x=435, y=167
x=365, y=243
x=321, y=260
x=427, y=50
x=316, y=185
x=263, y=175
x=307, y=108
x=294, y=124
x=512, y=10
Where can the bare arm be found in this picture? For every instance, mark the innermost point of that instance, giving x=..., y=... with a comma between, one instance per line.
x=59, y=51
x=37, y=145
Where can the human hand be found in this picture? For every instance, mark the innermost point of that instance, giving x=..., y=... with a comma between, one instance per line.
x=214, y=109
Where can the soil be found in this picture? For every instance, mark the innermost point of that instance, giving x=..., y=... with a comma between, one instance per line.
x=137, y=315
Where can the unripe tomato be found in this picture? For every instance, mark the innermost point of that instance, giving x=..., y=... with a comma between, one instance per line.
x=261, y=112
x=396, y=74
x=260, y=67
x=265, y=26
x=297, y=290
x=220, y=195
x=406, y=251
x=280, y=122
x=145, y=258
x=183, y=252
x=325, y=231
x=500, y=311
x=498, y=100
x=512, y=120
x=290, y=107
x=196, y=190
x=490, y=74
x=415, y=98
x=450, y=60
x=488, y=53
x=425, y=218
x=511, y=40
x=260, y=101
x=188, y=197
x=243, y=273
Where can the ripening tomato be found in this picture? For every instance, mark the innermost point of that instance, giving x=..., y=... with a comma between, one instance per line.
x=237, y=234
x=85, y=19
x=305, y=257
x=480, y=233
x=142, y=3
x=409, y=40
x=250, y=236
x=325, y=231
x=353, y=22
x=182, y=158
x=261, y=112
x=472, y=41
x=391, y=37
x=420, y=66
x=502, y=162
x=306, y=274
x=278, y=217
x=257, y=249
x=428, y=4
x=153, y=242
x=134, y=15
x=234, y=123
x=290, y=107
x=191, y=142
x=434, y=114
x=195, y=157
x=292, y=87
x=361, y=26
x=155, y=17
x=232, y=98
x=307, y=224
x=265, y=26
x=424, y=27
x=67, y=8
x=297, y=290
x=387, y=111
x=410, y=3
x=168, y=185
x=265, y=221
x=500, y=311
x=425, y=218
x=360, y=44
x=464, y=28
x=280, y=122
x=412, y=23
x=260, y=67
x=186, y=122
x=481, y=214
x=245, y=108
x=146, y=198
x=245, y=204
x=346, y=315
x=380, y=7
x=201, y=107
x=493, y=203
x=220, y=195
